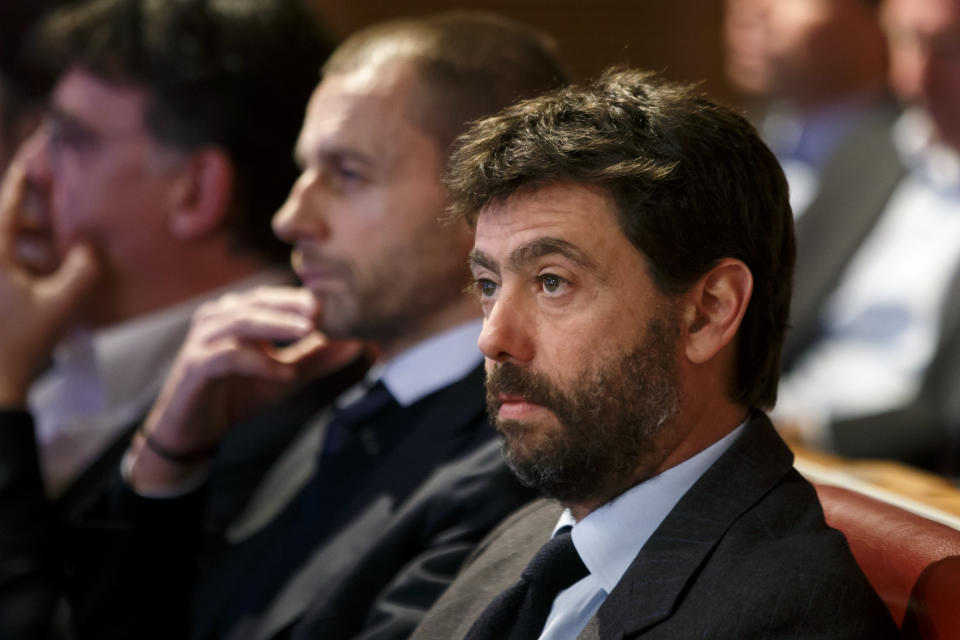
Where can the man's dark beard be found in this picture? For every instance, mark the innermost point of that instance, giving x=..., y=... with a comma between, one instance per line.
x=608, y=423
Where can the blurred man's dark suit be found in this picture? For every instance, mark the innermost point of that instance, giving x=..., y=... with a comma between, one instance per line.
x=367, y=549
x=82, y=546
x=856, y=186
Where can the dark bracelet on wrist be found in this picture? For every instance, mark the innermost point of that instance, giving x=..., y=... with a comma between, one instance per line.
x=176, y=457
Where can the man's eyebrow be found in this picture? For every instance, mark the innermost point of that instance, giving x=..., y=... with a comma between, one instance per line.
x=531, y=251
x=545, y=247
x=303, y=156
x=63, y=117
x=479, y=259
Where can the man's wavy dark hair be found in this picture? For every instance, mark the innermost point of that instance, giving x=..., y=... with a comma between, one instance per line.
x=233, y=74
x=692, y=181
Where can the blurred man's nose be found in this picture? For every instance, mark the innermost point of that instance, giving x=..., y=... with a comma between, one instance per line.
x=34, y=153
x=302, y=217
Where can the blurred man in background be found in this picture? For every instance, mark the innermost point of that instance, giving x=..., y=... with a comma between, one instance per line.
x=362, y=523
x=872, y=361
x=817, y=68
x=162, y=154
x=148, y=152
x=368, y=513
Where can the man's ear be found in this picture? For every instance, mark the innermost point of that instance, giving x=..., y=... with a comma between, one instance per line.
x=201, y=200
x=714, y=308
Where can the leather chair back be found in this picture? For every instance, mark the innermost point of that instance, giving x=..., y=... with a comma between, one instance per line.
x=912, y=562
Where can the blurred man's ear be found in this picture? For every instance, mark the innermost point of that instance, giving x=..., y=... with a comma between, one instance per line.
x=714, y=308
x=203, y=197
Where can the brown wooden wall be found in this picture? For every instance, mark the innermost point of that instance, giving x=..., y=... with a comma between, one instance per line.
x=678, y=37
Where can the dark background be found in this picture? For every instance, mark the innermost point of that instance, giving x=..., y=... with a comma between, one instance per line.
x=680, y=38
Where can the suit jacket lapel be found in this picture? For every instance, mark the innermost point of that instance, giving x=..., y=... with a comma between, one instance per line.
x=649, y=590
x=591, y=631
x=854, y=188
x=253, y=446
x=441, y=434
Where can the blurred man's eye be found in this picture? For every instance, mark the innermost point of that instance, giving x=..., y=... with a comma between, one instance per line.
x=66, y=135
x=347, y=172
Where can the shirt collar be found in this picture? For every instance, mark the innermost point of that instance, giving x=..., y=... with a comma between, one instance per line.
x=610, y=537
x=432, y=364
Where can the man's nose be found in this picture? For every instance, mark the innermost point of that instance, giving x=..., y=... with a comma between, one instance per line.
x=302, y=216
x=508, y=331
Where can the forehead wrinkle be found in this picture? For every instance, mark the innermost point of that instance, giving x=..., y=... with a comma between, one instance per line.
x=308, y=151
x=366, y=113
x=88, y=99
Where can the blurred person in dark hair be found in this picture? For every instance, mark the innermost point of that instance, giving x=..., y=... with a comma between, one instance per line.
x=165, y=149
x=22, y=84
x=816, y=70
x=162, y=153
x=18, y=116
x=366, y=515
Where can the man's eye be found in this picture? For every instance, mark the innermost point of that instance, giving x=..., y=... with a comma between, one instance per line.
x=348, y=175
x=61, y=135
x=487, y=288
x=551, y=283
x=346, y=172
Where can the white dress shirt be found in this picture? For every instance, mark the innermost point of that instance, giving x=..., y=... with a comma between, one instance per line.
x=433, y=364
x=102, y=381
x=610, y=537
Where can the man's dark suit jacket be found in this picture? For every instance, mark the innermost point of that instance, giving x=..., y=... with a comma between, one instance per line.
x=855, y=187
x=67, y=566
x=396, y=541
x=744, y=554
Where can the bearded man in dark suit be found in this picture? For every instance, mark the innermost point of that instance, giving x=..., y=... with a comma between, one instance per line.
x=633, y=258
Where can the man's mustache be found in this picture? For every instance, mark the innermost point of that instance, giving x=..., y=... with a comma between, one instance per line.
x=510, y=379
x=313, y=260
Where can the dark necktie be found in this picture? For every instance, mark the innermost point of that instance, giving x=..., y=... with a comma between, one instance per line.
x=347, y=423
x=520, y=612
x=349, y=446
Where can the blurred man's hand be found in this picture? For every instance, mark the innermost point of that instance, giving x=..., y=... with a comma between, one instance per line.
x=36, y=308
x=229, y=368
